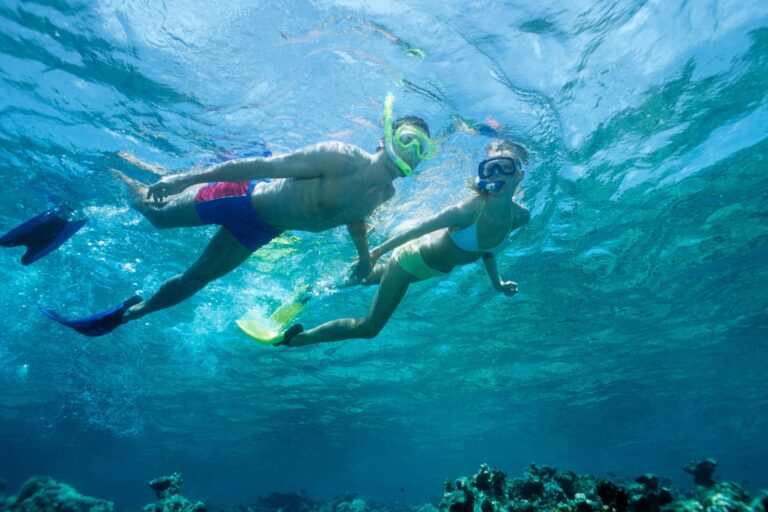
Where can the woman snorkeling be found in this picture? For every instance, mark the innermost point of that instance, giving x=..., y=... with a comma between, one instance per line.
x=474, y=229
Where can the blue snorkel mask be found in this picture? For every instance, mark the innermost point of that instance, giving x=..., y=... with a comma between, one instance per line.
x=497, y=166
x=406, y=137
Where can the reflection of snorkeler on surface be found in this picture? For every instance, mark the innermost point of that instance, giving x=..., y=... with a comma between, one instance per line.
x=474, y=229
x=255, y=199
x=316, y=32
x=489, y=127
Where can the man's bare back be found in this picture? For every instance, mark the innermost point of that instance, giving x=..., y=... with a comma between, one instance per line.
x=334, y=198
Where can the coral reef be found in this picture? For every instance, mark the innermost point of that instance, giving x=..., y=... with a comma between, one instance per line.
x=168, y=492
x=44, y=494
x=544, y=488
x=291, y=502
x=702, y=471
x=286, y=502
x=760, y=503
x=539, y=488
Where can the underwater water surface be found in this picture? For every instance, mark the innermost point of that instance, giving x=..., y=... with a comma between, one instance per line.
x=637, y=343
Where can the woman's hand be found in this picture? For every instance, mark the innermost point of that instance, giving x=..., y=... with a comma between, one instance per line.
x=166, y=186
x=508, y=288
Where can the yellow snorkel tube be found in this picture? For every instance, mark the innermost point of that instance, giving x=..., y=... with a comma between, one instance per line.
x=407, y=136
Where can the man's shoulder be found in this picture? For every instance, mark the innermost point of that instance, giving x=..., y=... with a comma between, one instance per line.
x=337, y=155
x=332, y=158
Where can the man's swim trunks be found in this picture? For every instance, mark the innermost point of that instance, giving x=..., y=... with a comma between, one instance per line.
x=228, y=204
x=409, y=259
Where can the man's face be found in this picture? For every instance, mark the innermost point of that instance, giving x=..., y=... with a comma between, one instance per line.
x=411, y=145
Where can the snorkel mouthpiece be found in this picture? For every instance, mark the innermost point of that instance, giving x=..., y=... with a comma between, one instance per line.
x=489, y=186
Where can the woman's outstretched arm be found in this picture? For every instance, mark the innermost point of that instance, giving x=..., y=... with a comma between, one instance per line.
x=448, y=217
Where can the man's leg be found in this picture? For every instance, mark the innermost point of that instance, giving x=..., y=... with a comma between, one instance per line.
x=177, y=211
x=394, y=284
x=223, y=254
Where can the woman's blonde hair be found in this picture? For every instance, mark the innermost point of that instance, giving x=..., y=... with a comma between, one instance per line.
x=506, y=146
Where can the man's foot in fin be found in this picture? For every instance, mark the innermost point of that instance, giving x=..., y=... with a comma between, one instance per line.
x=99, y=324
x=289, y=334
x=41, y=234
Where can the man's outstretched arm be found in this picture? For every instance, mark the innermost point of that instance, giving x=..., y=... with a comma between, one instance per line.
x=310, y=162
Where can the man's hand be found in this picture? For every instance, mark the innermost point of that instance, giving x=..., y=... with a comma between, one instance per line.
x=360, y=270
x=508, y=288
x=166, y=186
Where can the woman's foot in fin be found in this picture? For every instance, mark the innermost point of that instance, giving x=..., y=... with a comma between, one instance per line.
x=289, y=334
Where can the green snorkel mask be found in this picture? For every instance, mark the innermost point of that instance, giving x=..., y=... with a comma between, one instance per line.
x=406, y=137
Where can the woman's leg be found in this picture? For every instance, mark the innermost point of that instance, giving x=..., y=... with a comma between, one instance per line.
x=222, y=255
x=177, y=211
x=394, y=284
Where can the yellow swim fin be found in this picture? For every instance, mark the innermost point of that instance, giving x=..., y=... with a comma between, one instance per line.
x=259, y=329
x=270, y=330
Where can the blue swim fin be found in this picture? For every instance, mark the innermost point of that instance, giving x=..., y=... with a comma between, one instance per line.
x=41, y=234
x=98, y=324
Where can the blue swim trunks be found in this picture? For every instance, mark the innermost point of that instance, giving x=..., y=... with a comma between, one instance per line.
x=228, y=204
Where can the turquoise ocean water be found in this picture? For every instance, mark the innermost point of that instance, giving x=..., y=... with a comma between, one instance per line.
x=639, y=338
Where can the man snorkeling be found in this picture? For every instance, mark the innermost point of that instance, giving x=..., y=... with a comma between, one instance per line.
x=315, y=188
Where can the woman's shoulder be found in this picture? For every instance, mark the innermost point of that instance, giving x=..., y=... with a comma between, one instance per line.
x=459, y=215
x=470, y=207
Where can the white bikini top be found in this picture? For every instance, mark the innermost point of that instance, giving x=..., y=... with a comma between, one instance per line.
x=466, y=238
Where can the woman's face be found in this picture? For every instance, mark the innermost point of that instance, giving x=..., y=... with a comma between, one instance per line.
x=503, y=171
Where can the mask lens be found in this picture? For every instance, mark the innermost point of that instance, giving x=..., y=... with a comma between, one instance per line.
x=501, y=165
x=408, y=136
